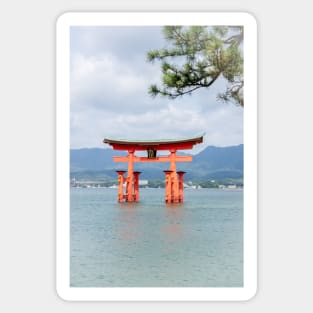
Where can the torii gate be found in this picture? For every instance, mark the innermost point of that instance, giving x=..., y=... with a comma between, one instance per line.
x=174, y=180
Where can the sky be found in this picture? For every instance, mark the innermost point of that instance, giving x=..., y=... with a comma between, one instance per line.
x=110, y=77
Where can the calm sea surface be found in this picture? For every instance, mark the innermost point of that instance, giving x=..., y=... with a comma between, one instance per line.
x=151, y=244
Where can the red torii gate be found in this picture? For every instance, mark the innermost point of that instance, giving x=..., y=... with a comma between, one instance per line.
x=174, y=180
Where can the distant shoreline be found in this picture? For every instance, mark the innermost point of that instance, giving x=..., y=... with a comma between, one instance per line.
x=187, y=188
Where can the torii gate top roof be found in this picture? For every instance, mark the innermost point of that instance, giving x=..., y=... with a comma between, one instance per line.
x=158, y=144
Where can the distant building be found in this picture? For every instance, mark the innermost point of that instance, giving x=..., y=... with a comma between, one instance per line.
x=143, y=182
x=231, y=186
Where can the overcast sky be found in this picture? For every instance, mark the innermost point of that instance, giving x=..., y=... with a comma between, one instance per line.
x=110, y=77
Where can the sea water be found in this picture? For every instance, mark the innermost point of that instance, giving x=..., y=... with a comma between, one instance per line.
x=153, y=244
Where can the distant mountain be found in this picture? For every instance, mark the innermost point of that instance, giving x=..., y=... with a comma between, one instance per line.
x=212, y=162
x=219, y=162
x=92, y=159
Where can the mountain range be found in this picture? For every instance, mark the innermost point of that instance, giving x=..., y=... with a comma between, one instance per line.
x=211, y=163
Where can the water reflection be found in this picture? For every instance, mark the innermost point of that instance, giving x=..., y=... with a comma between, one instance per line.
x=127, y=221
x=174, y=208
x=166, y=221
x=128, y=205
x=173, y=223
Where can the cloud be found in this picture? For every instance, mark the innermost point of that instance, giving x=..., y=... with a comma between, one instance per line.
x=169, y=122
x=104, y=81
x=125, y=42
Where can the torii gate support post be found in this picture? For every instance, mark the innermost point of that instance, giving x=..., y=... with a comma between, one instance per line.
x=168, y=186
x=181, y=185
x=136, y=186
x=120, y=180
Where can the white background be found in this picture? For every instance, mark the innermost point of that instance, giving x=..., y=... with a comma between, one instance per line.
x=27, y=167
